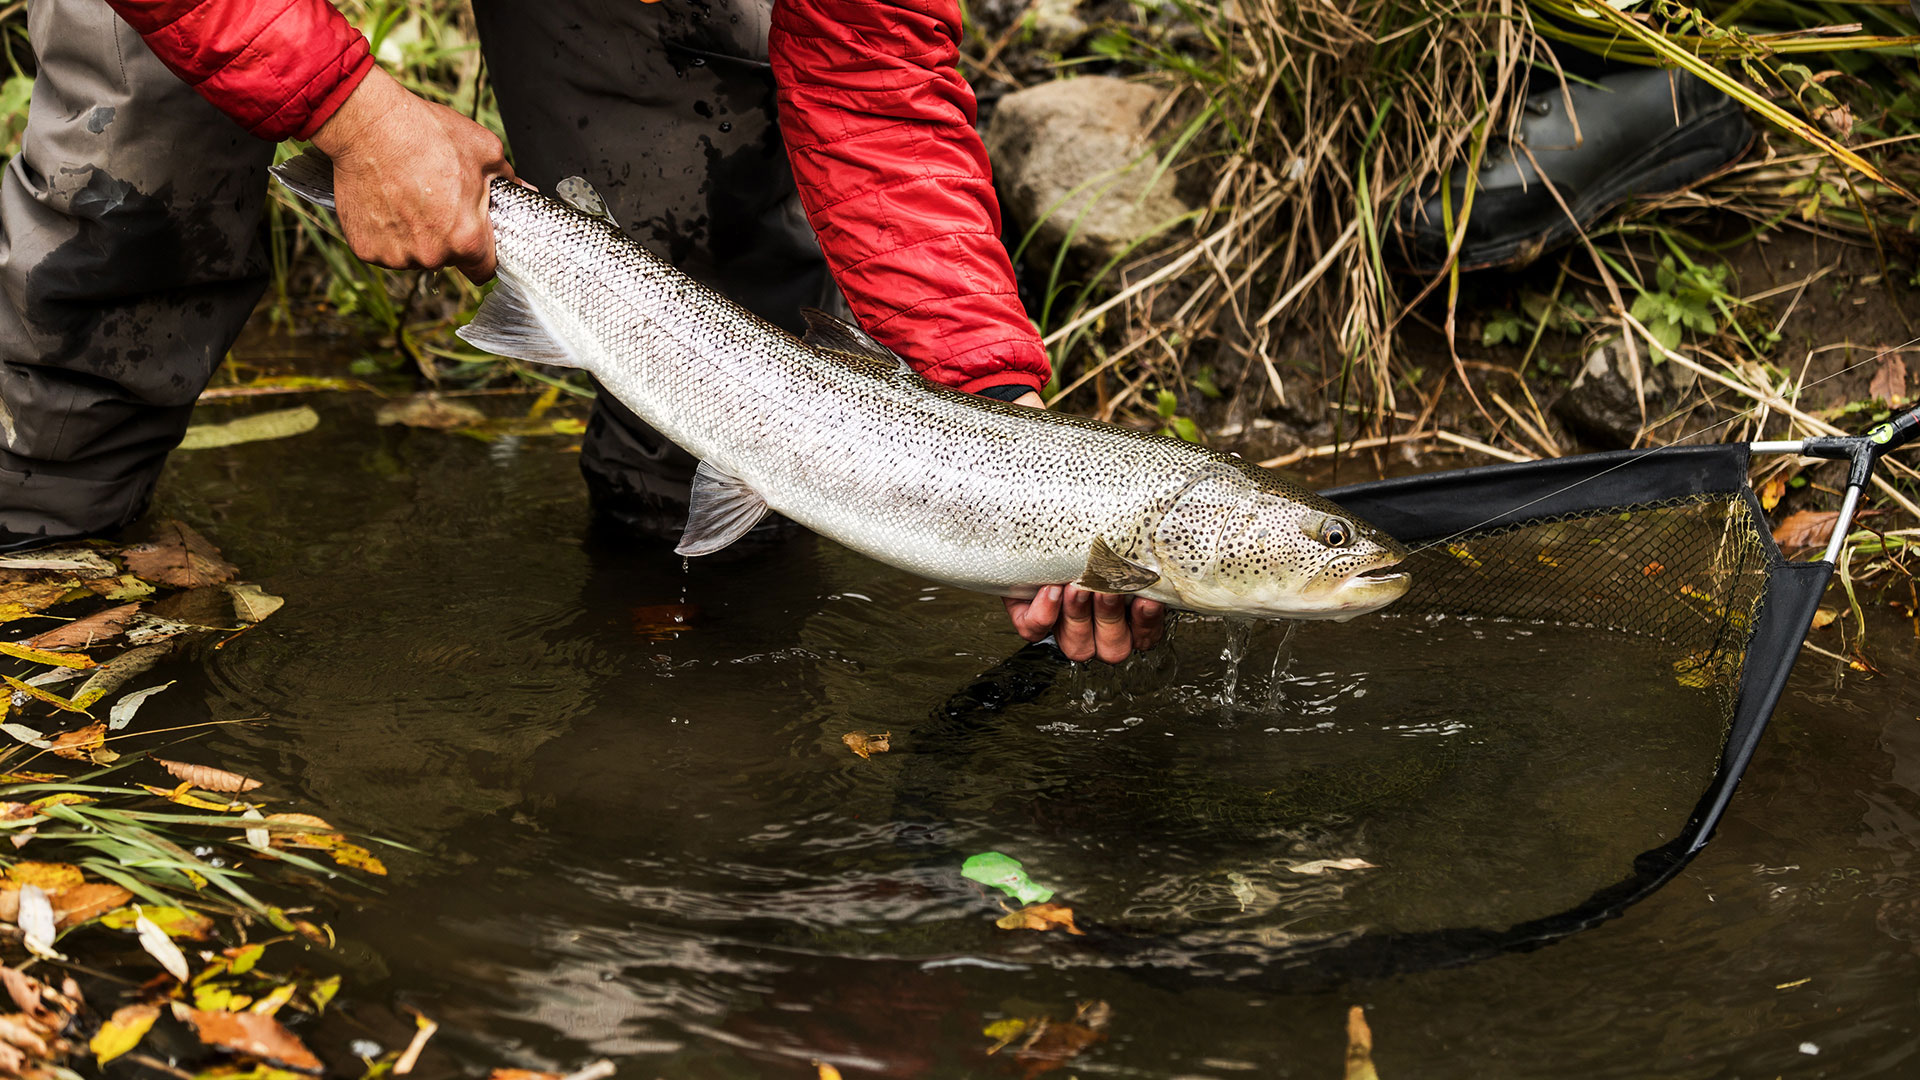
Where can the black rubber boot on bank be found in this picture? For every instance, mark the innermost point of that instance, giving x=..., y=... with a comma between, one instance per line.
x=1641, y=132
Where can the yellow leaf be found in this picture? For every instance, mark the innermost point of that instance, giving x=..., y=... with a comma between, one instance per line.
x=1003, y=1032
x=122, y=1031
x=50, y=877
x=355, y=857
x=272, y=1002
x=176, y=922
x=1824, y=616
x=52, y=699
x=218, y=998
x=185, y=797
x=241, y=960
x=322, y=992
x=64, y=798
x=35, y=656
x=827, y=1072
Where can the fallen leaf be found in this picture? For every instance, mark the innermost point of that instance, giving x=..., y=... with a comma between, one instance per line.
x=177, y=922
x=124, y=587
x=423, y=1030
x=1824, y=617
x=1772, y=491
x=1804, y=529
x=81, y=744
x=1053, y=1044
x=251, y=1034
x=1005, y=873
x=1039, y=917
x=36, y=922
x=1359, y=1046
x=31, y=736
x=256, y=837
x=62, y=798
x=1321, y=866
x=183, y=795
x=207, y=777
x=96, y=629
x=52, y=659
x=160, y=946
x=1889, y=379
x=827, y=1072
x=32, y=596
x=522, y=1074
x=47, y=696
x=51, y=876
x=1243, y=890
x=251, y=604
x=281, y=384
x=1003, y=1032
x=122, y=712
x=429, y=410
x=42, y=1003
x=113, y=674
x=277, y=424
x=83, y=562
x=867, y=745
x=179, y=557
x=275, y=1000
x=122, y=1031
x=87, y=901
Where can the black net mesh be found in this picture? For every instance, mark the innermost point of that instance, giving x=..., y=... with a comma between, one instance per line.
x=1688, y=572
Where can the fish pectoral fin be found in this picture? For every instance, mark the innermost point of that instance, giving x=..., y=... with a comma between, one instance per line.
x=507, y=325
x=723, y=508
x=308, y=174
x=1110, y=572
x=577, y=193
x=826, y=332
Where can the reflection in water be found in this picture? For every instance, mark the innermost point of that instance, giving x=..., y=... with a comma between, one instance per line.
x=641, y=836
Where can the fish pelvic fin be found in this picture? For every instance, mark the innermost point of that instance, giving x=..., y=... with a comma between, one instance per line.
x=309, y=175
x=723, y=508
x=1110, y=572
x=507, y=325
x=577, y=193
x=826, y=332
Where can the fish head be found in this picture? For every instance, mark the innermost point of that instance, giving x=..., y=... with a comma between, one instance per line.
x=1240, y=543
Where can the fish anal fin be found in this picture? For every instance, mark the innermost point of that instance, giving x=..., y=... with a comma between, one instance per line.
x=1110, y=572
x=507, y=325
x=722, y=509
x=577, y=193
x=826, y=332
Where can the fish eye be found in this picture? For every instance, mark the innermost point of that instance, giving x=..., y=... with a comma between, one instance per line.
x=1335, y=533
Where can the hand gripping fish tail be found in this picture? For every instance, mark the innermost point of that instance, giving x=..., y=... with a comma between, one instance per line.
x=836, y=432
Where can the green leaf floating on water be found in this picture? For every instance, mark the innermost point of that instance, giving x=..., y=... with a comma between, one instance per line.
x=1004, y=872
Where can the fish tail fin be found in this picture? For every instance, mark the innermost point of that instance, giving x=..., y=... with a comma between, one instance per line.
x=308, y=175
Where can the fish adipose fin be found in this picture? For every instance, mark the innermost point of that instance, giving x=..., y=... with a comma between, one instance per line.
x=826, y=332
x=308, y=175
x=507, y=325
x=723, y=508
x=1110, y=572
x=577, y=193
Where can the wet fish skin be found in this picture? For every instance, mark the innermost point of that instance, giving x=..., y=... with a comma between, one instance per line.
x=836, y=433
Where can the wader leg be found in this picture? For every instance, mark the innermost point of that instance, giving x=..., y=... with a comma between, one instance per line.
x=131, y=253
x=667, y=109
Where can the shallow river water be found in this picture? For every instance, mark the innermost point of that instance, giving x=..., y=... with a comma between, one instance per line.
x=644, y=840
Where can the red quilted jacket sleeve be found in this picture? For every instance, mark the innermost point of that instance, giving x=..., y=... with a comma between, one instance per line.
x=879, y=126
x=278, y=67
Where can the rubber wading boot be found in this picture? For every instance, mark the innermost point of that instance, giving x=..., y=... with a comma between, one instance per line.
x=1641, y=132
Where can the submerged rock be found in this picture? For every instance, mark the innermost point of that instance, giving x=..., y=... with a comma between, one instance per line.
x=1078, y=155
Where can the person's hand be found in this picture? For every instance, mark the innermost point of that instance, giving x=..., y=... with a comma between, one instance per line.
x=410, y=179
x=1087, y=624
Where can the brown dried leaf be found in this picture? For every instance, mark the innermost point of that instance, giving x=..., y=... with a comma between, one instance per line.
x=429, y=410
x=252, y=1034
x=867, y=745
x=1053, y=1044
x=83, y=744
x=1039, y=917
x=96, y=629
x=179, y=557
x=1804, y=529
x=1359, y=1046
x=42, y=1003
x=1889, y=379
x=33, y=595
x=1824, y=617
x=89, y=901
x=207, y=777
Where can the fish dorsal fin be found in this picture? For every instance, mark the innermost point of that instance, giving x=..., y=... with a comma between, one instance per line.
x=508, y=326
x=1110, y=572
x=309, y=175
x=721, y=510
x=577, y=193
x=826, y=332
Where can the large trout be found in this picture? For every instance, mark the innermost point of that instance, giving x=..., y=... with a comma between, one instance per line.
x=835, y=432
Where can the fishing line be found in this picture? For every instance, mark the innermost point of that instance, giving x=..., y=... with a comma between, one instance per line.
x=1650, y=451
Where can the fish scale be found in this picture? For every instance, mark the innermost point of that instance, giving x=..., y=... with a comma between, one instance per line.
x=957, y=488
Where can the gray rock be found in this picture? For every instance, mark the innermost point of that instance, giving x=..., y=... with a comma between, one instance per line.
x=1090, y=136
x=1601, y=406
